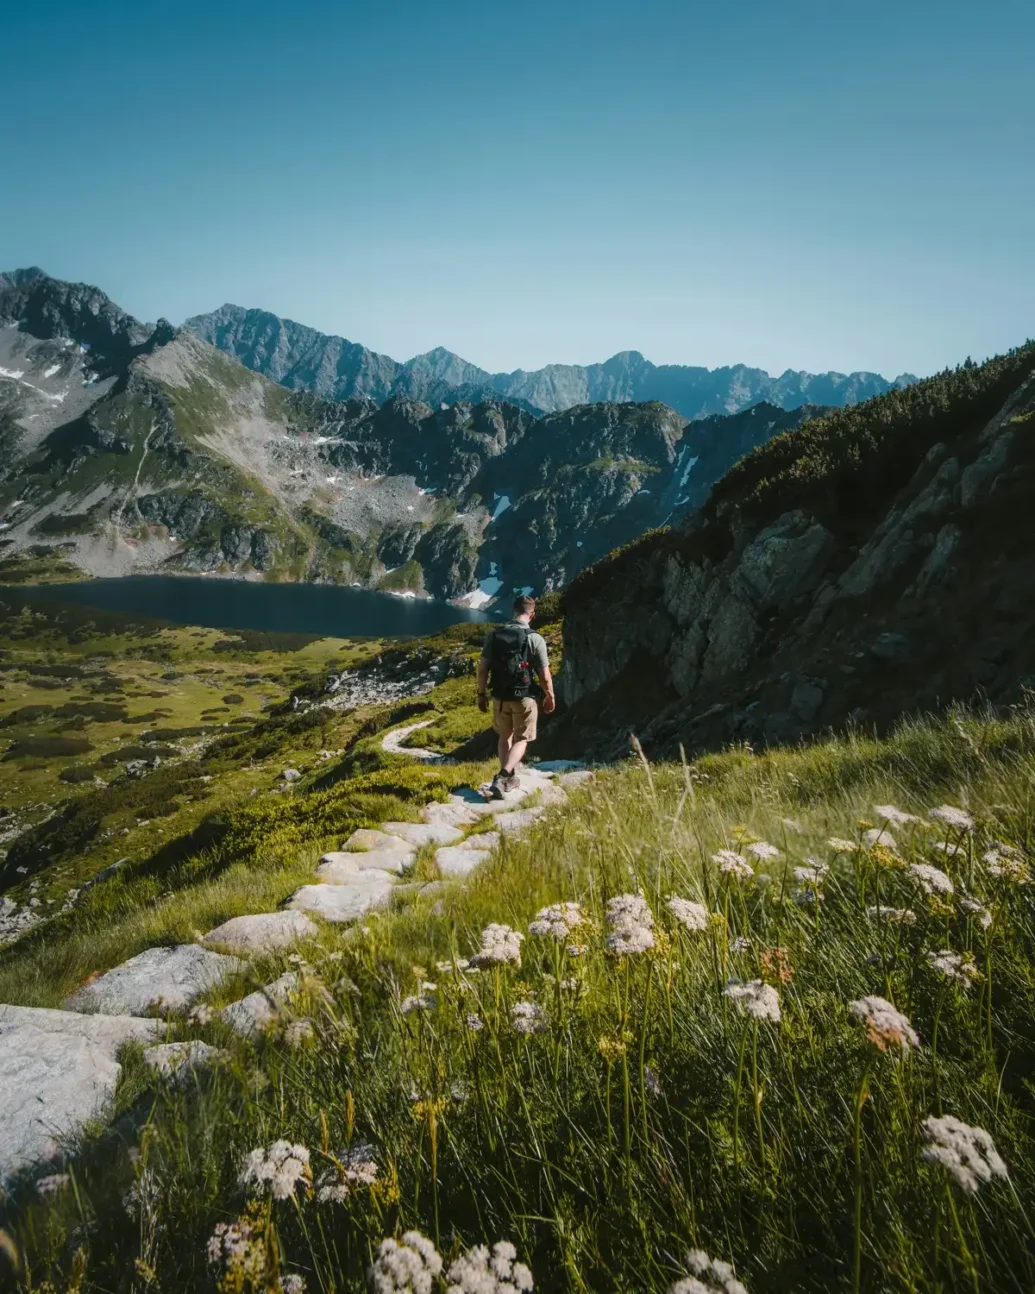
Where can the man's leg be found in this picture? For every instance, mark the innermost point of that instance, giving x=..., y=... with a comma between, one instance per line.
x=515, y=754
x=505, y=743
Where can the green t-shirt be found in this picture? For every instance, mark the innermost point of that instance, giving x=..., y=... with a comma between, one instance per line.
x=537, y=654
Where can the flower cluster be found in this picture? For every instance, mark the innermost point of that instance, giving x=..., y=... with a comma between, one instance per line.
x=238, y=1250
x=957, y=966
x=500, y=944
x=527, y=1017
x=631, y=925
x=416, y=1002
x=977, y=910
x=841, y=846
x=408, y=1266
x=967, y=1154
x=481, y=1272
x=930, y=879
x=763, y=851
x=709, y=1276
x=733, y=864
x=950, y=816
x=354, y=1168
x=880, y=836
x=814, y=873
x=693, y=916
x=897, y=916
x=761, y=1001
x=885, y=1025
x=278, y=1169
x=1005, y=861
x=559, y=920
x=895, y=816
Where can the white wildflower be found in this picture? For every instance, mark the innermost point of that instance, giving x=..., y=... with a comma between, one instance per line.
x=897, y=916
x=631, y=925
x=885, y=1025
x=792, y=825
x=474, y=1022
x=977, y=910
x=813, y=873
x=763, y=851
x=298, y=1032
x=201, y=1014
x=408, y=1266
x=694, y=916
x=948, y=814
x=277, y=1169
x=760, y=1001
x=292, y=1284
x=577, y=950
x=355, y=1168
x=733, y=864
x=447, y=968
x=500, y=944
x=806, y=896
x=141, y=1200
x=416, y=1002
x=842, y=846
x=880, y=836
x=1005, y=861
x=931, y=879
x=709, y=1276
x=894, y=815
x=740, y=944
x=527, y=1017
x=957, y=966
x=52, y=1184
x=557, y=921
x=968, y=1154
x=239, y=1248
x=481, y=1272
x=651, y=1081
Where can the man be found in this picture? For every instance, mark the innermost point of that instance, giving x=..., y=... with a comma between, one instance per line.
x=511, y=655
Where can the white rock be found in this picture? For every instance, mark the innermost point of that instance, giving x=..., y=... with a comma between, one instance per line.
x=170, y=978
x=520, y=818
x=340, y=902
x=451, y=814
x=57, y=1071
x=578, y=778
x=259, y=1009
x=291, y=775
x=176, y=1060
x=366, y=838
x=484, y=840
x=454, y=861
x=344, y=864
x=263, y=932
x=423, y=833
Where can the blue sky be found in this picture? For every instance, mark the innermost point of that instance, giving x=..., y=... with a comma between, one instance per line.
x=795, y=183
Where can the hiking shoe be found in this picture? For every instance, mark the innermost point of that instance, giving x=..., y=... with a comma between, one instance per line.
x=509, y=781
x=496, y=787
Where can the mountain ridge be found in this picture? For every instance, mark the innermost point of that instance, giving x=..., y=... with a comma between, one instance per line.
x=303, y=358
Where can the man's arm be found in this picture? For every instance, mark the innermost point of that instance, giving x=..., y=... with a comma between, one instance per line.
x=546, y=681
x=483, y=683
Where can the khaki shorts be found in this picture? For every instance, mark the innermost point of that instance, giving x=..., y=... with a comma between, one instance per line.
x=516, y=719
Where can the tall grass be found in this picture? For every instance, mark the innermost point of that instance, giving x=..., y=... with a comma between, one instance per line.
x=610, y=1112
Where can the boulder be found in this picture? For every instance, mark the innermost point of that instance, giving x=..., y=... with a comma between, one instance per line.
x=167, y=979
x=455, y=861
x=341, y=903
x=178, y=1060
x=263, y=932
x=259, y=1009
x=344, y=864
x=423, y=833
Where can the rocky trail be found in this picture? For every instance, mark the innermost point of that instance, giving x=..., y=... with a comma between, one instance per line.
x=59, y=1069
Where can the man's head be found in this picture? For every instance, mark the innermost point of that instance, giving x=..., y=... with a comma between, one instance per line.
x=524, y=608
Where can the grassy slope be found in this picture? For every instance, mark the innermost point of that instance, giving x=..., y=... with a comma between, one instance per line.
x=560, y=1140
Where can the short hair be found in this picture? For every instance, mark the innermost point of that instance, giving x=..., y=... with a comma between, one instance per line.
x=524, y=605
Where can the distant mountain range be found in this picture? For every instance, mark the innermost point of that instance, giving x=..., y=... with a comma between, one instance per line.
x=303, y=359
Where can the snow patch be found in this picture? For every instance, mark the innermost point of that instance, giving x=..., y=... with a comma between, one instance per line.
x=578, y=543
x=332, y=480
x=16, y=373
x=49, y=372
x=501, y=507
x=484, y=593
x=402, y=593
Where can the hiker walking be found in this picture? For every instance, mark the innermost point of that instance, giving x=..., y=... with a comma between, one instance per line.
x=511, y=655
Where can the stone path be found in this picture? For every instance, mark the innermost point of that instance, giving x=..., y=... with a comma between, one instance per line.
x=59, y=1069
x=392, y=743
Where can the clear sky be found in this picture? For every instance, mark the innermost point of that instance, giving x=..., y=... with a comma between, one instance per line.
x=788, y=183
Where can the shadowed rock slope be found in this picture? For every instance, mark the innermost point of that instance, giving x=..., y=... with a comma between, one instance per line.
x=869, y=563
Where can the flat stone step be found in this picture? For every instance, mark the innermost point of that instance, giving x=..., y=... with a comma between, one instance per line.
x=423, y=833
x=177, y=1060
x=58, y=1070
x=452, y=860
x=368, y=838
x=453, y=813
x=263, y=932
x=260, y=1009
x=578, y=778
x=167, y=979
x=520, y=819
x=338, y=869
x=484, y=840
x=373, y=860
x=340, y=902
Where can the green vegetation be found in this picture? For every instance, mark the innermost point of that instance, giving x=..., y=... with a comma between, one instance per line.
x=715, y=1075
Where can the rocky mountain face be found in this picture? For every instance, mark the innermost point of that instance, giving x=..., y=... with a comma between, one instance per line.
x=303, y=359
x=137, y=447
x=860, y=567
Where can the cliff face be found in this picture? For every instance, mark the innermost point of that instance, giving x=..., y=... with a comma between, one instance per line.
x=898, y=575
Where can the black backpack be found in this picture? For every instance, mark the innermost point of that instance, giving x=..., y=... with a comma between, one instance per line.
x=510, y=675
